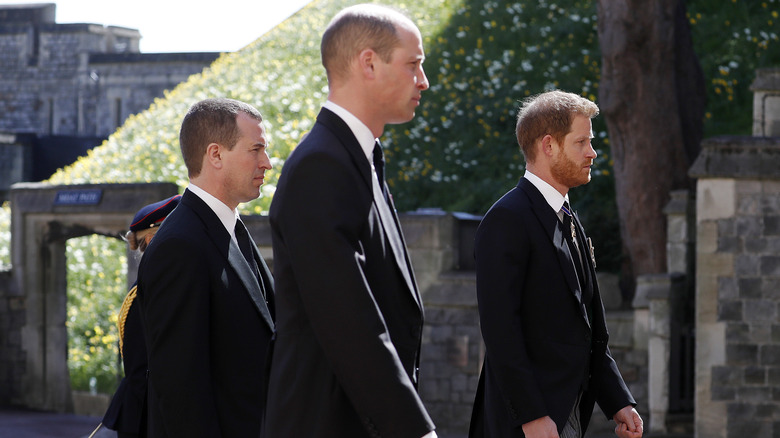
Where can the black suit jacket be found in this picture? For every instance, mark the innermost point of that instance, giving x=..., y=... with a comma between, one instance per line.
x=208, y=328
x=349, y=316
x=542, y=348
x=127, y=411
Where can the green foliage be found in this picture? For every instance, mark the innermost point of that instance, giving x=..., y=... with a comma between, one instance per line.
x=733, y=38
x=459, y=153
x=96, y=287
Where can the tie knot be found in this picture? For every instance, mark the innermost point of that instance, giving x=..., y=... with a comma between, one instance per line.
x=566, y=209
x=240, y=229
x=379, y=156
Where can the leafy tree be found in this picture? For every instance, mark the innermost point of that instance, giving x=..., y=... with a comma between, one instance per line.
x=652, y=96
x=460, y=153
x=733, y=38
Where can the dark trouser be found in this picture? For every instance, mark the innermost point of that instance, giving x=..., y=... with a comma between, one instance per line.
x=572, y=429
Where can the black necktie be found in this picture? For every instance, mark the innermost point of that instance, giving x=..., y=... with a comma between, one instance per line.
x=379, y=166
x=242, y=237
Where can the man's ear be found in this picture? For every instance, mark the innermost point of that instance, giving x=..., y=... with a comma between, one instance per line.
x=214, y=155
x=366, y=60
x=547, y=145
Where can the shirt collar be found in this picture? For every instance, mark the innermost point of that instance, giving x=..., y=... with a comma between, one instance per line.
x=361, y=132
x=227, y=216
x=552, y=196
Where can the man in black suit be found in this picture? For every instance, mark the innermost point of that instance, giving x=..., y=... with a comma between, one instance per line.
x=127, y=412
x=349, y=314
x=206, y=294
x=542, y=318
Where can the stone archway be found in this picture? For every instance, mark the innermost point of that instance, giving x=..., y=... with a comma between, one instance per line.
x=43, y=218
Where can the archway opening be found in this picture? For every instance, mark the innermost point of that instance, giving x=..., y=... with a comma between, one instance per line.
x=96, y=287
x=35, y=295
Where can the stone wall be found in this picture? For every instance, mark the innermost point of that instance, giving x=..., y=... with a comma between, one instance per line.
x=16, y=154
x=766, y=102
x=738, y=288
x=75, y=80
x=81, y=79
x=12, y=319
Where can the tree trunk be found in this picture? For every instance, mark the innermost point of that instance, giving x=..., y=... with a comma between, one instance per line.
x=652, y=96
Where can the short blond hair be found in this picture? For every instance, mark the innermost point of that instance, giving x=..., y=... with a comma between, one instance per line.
x=137, y=239
x=356, y=28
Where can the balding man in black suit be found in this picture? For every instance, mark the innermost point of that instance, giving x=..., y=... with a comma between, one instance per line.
x=349, y=313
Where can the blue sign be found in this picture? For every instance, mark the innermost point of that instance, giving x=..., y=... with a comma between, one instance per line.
x=78, y=197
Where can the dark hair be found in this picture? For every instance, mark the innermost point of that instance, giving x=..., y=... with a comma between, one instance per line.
x=211, y=121
x=550, y=113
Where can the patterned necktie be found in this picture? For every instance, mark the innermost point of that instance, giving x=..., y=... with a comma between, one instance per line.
x=571, y=238
x=577, y=243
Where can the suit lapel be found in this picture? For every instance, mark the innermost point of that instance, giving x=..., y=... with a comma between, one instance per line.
x=394, y=236
x=588, y=260
x=402, y=240
x=219, y=235
x=244, y=272
x=386, y=213
x=555, y=232
x=588, y=257
x=340, y=129
x=266, y=283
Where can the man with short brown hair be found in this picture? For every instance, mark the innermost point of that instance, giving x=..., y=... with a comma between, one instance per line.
x=542, y=319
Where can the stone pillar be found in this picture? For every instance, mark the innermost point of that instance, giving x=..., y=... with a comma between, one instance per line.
x=766, y=102
x=737, y=284
x=452, y=349
x=661, y=295
x=680, y=233
x=681, y=266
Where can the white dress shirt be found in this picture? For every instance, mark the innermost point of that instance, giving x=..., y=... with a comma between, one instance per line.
x=227, y=216
x=364, y=135
x=551, y=195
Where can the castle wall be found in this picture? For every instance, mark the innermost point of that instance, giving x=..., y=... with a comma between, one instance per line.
x=737, y=284
x=76, y=80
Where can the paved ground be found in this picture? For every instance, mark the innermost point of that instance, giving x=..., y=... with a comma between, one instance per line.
x=33, y=424
x=18, y=423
